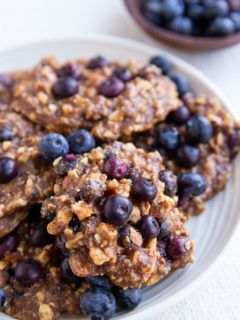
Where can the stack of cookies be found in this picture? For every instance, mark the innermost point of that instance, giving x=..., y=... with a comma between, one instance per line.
x=101, y=164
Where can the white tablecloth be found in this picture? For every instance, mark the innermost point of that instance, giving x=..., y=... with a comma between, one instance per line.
x=28, y=21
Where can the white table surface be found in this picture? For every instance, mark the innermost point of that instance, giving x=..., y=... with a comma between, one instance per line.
x=28, y=21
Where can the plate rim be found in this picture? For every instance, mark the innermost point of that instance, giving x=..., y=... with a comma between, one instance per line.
x=187, y=67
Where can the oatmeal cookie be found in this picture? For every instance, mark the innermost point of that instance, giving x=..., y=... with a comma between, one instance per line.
x=110, y=98
x=115, y=219
x=25, y=178
x=206, y=142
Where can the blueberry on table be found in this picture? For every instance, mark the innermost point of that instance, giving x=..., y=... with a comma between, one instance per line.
x=168, y=138
x=149, y=227
x=191, y=184
x=199, y=130
x=124, y=75
x=182, y=25
x=213, y=8
x=2, y=299
x=188, y=156
x=172, y=8
x=163, y=63
x=180, y=116
x=115, y=168
x=8, y=169
x=129, y=298
x=111, y=87
x=221, y=26
x=52, y=146
x=6, y=134
x=117, y=210
x=144, y=189
x=100, y=281
x=98, y=62
x=81, y=141
x=182, y=84
x=9, y=243
x=170, y=181
x=28, y=272
x=176, y=248
x=152, y=11
x=67, y=274
x=98, y=303
x=65, y=87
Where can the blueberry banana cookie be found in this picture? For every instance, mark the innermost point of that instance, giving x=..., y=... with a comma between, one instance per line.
x=114, y=216
x=111, y=99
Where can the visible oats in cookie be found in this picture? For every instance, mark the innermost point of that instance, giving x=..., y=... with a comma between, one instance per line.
x=111, y=211
x=112, y=99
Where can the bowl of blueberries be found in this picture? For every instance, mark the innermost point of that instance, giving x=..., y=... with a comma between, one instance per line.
x=189, y=24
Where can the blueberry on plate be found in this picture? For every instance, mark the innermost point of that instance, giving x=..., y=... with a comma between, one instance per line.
x=100, y=281
x=191, y=184
x=188, y=156
x=149, y=227
x=163, y=63
x=221, y=26
x=117, y=210
x=152, y=11
x=98, y=62
x=181, y=24
x=8, y=169
x=65, y=87
x=182, y=84
x=111, y=87
x=115, y=168
x=28, y=272
x=52, y=146
x=98, y=303
x=81, y=141
x=129, y=298
x=176, y=248
x=144, y=189
x=180, y=116
x=168, y=138
x=199, y=130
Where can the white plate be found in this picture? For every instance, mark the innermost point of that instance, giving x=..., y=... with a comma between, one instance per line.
x=213, y=229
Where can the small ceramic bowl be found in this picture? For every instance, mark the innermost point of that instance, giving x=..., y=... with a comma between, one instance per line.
x=176, y=39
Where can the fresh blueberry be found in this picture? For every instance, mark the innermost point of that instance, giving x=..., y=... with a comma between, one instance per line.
x=191, y=184
x=8, y=169
x=98, y=62
x=180, y=116
x=28, y=272
x=221, y=26
x=182, y=84
x=81, y=141
x=129, y=298
x=98, y=303
x=199, y=130
x=117, y=210
x=2, y=299
x=235, y=16
x=176, y=248
x=182, y=25
x=115, y=168
x=9, y=243
x=65, y=87
x=152, y=10
x=149, y=227
x=195, y=11
x=170, y=181
x=52, y=146
x=144, y=189
x=6, y=133
x=69, y=70
x=111, y=87
x=100, y=281
x=124, y=75
x=67, y=274
x=172, y=8
x=213, y=8
x=75, y=224
x=39, y=237
x=164, y=231
x=168, y=138
x=163, y=63
x=188, y=156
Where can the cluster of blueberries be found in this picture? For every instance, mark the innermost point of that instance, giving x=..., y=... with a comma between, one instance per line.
x=195, y=17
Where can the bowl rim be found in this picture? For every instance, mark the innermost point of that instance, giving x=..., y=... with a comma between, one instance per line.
x=188, y=69
x=174, y=38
